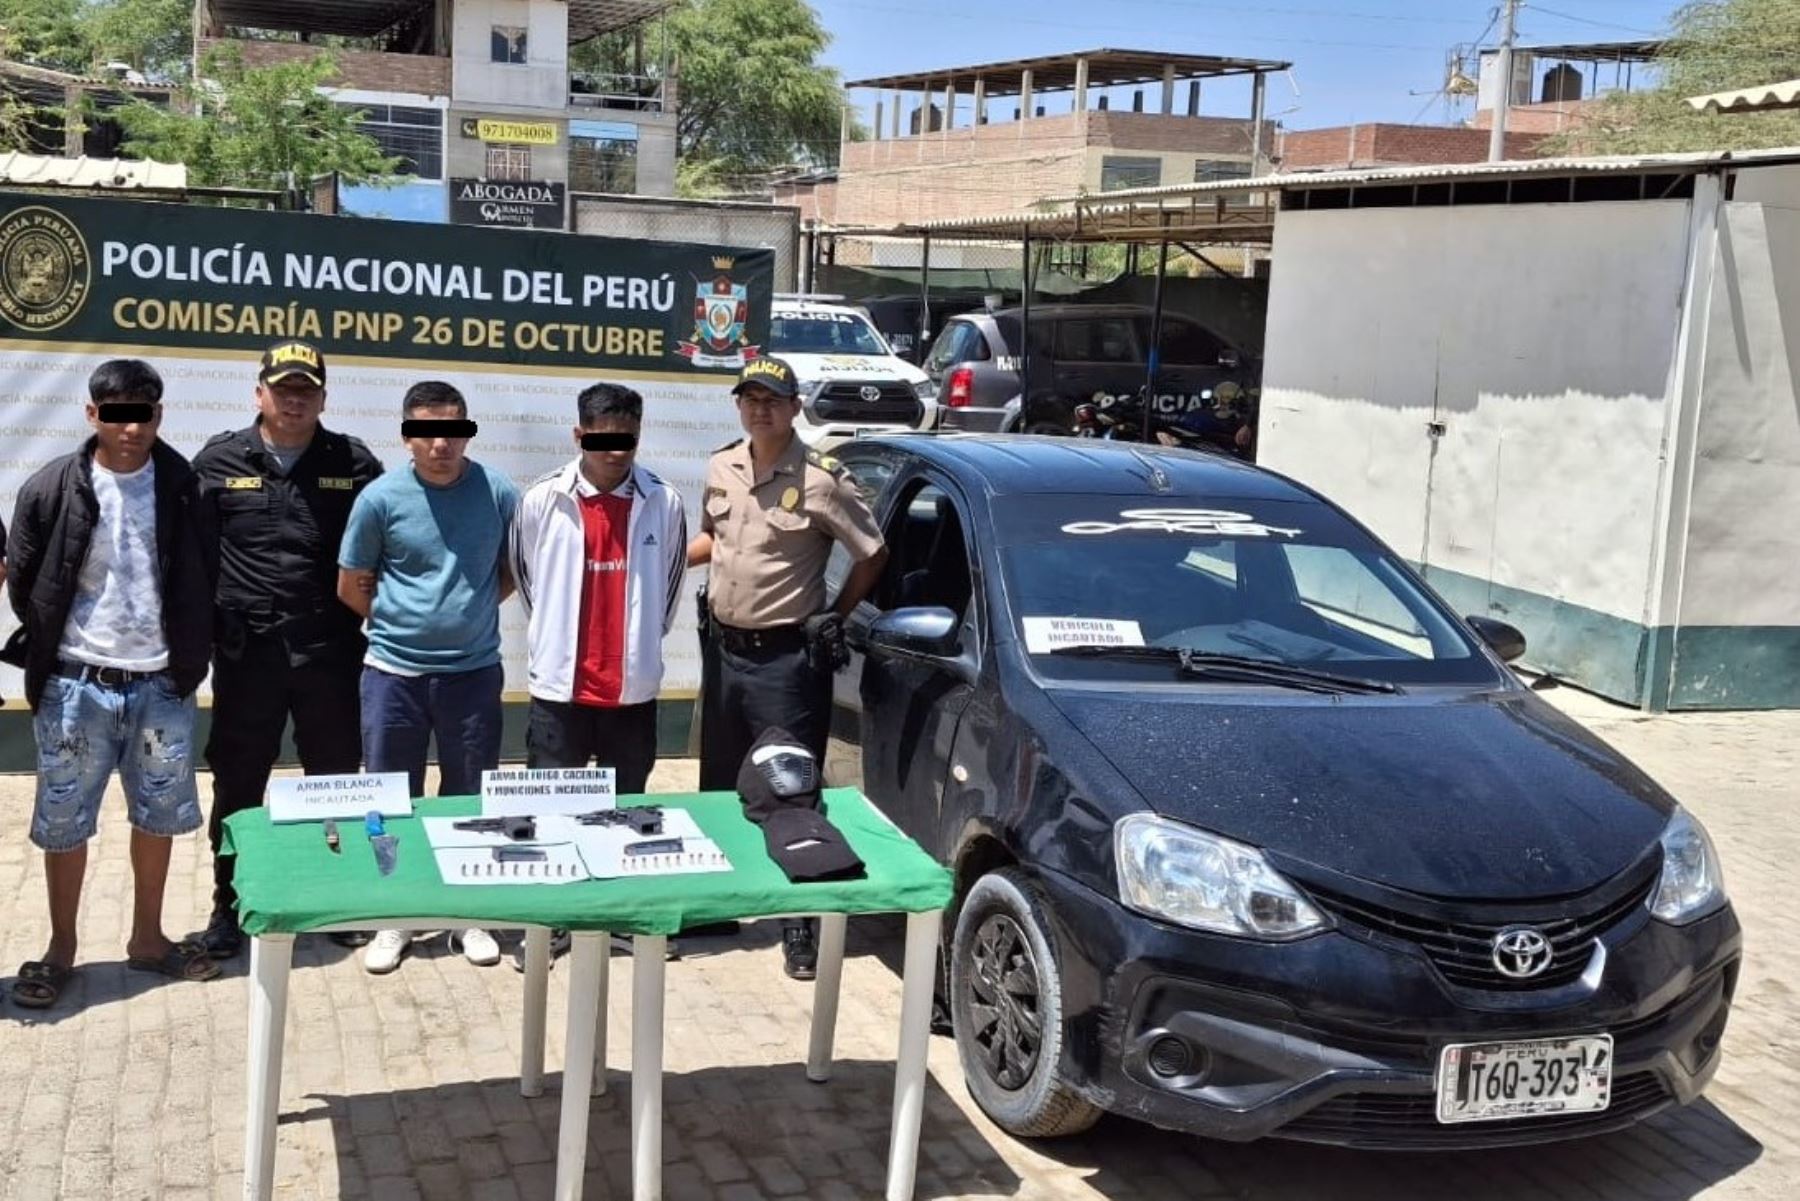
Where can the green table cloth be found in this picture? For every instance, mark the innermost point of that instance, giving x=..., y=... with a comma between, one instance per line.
x=288, y=881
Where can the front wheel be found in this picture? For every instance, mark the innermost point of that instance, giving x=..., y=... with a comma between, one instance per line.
x=1049, y=428
x=1006, y=998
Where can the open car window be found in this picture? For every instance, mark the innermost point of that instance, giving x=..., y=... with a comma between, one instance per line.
x=873, y=471
x=928, y=553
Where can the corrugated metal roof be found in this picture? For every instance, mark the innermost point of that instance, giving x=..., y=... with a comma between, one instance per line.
x=1056, y=72
x=1751, y=100
x=365, y=18
x=1217, y=212
x=346, y=18
x=1594, y=165
x=590, y=17
x=1639, y=51
x=36, y=170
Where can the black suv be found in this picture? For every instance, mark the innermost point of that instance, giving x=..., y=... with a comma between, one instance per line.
x=1251, y=834
x=1080, y=353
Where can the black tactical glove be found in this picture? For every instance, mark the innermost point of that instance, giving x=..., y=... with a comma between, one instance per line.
x=826, y=648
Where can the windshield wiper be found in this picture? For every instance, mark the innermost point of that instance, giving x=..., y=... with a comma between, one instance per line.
x=1235, y=667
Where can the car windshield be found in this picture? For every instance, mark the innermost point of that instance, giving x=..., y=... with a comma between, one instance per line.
x=823, y=333
x=1280, y=581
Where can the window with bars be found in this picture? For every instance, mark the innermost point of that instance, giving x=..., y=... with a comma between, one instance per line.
x=1117, y=173
x=603, y=157
x=413, y=135
x=1211, y=170
x=506, y=160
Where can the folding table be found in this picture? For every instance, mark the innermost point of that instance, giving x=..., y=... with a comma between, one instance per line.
x=289, y=882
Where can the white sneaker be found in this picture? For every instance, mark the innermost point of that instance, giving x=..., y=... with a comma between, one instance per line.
x=385, y=951
x=478, y=947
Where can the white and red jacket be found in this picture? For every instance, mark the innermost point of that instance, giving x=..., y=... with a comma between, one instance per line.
x=548, y=555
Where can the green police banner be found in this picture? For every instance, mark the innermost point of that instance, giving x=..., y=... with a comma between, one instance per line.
x=97, y=271
x=520, y=321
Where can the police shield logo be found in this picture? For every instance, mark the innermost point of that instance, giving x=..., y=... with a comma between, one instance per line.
x=721, y=310
x=45, y=270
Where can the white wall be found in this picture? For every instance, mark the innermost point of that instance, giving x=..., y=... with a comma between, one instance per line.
x=1540, y=335
x=1743, y=556
x=542, y=82
x=776, y=229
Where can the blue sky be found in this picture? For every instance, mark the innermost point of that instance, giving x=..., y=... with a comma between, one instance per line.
x=1354, y=60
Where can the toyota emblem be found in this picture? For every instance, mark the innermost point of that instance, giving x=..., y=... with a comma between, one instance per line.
x=1521, y=952
x=870, y=392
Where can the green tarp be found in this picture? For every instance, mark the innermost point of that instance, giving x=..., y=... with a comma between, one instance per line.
x=288, y=881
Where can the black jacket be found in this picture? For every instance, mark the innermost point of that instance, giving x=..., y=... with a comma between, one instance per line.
x=272, y=542
x=52, y=525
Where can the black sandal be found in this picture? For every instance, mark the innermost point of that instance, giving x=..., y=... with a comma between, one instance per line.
x=45, y=982
x=182, y=961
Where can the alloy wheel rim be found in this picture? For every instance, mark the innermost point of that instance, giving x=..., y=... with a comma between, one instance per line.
x=1004, y=1002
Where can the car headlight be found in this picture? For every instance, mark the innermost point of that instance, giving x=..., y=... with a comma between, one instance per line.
x=1187, y=876
x=925, y=390
x=1692, y=885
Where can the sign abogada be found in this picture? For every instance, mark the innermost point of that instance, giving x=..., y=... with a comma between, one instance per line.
x=519, y=321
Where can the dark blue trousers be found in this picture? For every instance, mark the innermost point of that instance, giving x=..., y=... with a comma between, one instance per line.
x=401, y=715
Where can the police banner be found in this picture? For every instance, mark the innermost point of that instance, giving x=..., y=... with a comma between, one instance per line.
x=519, y=321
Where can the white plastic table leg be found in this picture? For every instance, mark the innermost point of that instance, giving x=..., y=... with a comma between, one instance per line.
x=537, y=991
x=271, y=955
x=646, y=1066
x=825, y=996
x=586, y=954
x=599, y=1086
x=915, y=1041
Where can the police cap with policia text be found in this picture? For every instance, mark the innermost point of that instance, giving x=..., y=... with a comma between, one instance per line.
x=778, y=784
x=291, y=360
x=770, y=373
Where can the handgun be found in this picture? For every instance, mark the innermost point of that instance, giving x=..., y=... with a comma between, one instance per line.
x=519, y=829
x=643, y=819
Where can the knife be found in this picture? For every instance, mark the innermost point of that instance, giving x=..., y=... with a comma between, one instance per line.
x=386, y=846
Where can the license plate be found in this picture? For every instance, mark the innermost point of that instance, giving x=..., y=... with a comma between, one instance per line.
x=1486, y=1082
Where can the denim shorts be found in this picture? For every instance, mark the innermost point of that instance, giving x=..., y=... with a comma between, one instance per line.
x=85, y=730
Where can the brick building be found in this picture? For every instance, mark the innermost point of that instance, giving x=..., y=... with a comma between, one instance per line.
x=1000, y=137
x=1347, y=147
x=476, y=98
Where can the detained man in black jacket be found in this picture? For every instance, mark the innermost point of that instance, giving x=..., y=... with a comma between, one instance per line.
x=110, y=583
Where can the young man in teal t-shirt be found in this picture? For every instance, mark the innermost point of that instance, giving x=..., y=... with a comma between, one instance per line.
x=423, y=561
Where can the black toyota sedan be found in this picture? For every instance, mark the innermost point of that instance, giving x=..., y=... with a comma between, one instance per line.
x=1252, y=835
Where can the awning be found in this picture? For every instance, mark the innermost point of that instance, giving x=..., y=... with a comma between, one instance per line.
x=36, y=170
x=1767, y=98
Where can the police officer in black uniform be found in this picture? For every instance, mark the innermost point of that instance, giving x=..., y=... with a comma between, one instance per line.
x=773, y=510
x=275, y=498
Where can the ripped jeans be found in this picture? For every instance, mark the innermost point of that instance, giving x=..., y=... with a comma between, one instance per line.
x=85, y=730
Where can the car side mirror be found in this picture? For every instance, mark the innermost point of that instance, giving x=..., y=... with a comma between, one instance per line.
x=1229, y=359
x=1503, y=639
x=919, y=630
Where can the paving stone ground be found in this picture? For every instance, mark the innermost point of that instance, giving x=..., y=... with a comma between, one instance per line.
x=406, y=1086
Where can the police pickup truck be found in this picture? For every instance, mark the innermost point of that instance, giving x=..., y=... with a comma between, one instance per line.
x=851, y=382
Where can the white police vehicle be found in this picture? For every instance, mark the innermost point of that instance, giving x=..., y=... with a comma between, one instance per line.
x=851, y=382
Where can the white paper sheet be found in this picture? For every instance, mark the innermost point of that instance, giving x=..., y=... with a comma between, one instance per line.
x=598, y=851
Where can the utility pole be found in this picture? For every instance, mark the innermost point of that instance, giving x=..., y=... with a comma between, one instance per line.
x=1497, y=137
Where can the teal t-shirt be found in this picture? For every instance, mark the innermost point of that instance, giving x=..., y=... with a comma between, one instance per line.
x=436, y=553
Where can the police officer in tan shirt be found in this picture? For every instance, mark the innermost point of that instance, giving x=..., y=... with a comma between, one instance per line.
x=771, y=512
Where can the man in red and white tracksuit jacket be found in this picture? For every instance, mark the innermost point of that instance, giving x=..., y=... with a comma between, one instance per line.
x=598, y=551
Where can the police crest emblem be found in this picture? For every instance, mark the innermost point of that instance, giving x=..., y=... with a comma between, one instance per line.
x=45, y=270
x=721, y=310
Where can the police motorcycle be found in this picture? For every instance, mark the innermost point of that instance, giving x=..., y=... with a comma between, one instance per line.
x=1225, y=426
